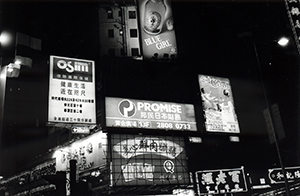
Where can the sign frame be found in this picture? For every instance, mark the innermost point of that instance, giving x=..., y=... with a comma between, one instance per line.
x=132, y=113
x=72, y=92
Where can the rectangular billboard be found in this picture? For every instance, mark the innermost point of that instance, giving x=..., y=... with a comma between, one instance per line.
x=148, y=160
x=131, y=113
x=71, y=91
x=89, y=152
x=276, y=174
x=218, y=105
x=221, y=181
x=157, y=29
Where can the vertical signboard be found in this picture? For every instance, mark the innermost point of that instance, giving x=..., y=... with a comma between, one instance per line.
x=157, y=29
x=293, y=11
x=131, y=113
x=148, y=160
x=71, y=91
x=218, y=105
x=221, y=181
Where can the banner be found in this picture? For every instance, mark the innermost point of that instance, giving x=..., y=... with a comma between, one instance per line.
x=89, y=152
x=218, y=105
x=157, y=30
x=148, y=160
x=131, y=113
x=221, y=181
x=72, y=91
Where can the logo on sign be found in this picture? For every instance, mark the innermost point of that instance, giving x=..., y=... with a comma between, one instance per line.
x=70, y=66
x=127, y=108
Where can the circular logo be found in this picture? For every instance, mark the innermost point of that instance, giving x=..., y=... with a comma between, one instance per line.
x=169, y=166
x=127, y=108
x=152, y=22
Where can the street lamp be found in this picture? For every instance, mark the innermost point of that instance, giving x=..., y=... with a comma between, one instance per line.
x=6, y=39
x=10, y=70
x=282, y=42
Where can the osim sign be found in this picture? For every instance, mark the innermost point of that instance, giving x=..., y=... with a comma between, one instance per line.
x=69, y=67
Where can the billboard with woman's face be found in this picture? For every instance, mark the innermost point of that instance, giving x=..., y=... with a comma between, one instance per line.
x=157, y=30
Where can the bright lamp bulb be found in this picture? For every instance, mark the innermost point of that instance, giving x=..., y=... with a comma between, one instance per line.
x=283, y=41
x=5, y=38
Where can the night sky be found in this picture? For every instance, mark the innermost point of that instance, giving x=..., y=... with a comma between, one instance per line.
x=216, y=38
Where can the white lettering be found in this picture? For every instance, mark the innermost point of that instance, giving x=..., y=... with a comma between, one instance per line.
x=152, y=40
x=163, y=44
x=78, y=66
x=155, y=107
x=70, y=68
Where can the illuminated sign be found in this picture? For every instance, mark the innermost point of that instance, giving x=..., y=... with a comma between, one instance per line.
x=148, y=160
x=221, y=181
x=72, y=91
x=276, y=174
x=132, y=113
x=80, y=130
x=218, y=105
x=158, y=34
x=89, y=152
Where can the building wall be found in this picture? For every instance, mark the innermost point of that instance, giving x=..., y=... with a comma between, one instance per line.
x=132, y=31
x=119, y=34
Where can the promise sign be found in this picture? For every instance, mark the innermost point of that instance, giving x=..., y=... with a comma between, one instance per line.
x=72, y=91
x=157, y=29
x=130, y=113
x=218, y=105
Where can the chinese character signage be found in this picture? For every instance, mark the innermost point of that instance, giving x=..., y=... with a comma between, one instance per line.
x=148, y=160
x=157, y=29
x=72, y=91
x=221, y=181
x=293, y=11
x=276, y=175
x=89, y=152
x=218, y=105
x=132, y=113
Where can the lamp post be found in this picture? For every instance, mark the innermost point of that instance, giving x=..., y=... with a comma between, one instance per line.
x=5, y=40
x=10, y=70
x=282, y=42
x=3, y=73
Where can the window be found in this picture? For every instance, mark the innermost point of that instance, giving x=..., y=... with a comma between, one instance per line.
x=122, y=51
x=109, y=14
x=110, y=33
x=111, y=52
x=134, y=52
x=132, y=15
x=120, y=13
x=133, y=33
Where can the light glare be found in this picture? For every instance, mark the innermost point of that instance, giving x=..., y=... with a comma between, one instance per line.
x=283, y=41
x=5, y=38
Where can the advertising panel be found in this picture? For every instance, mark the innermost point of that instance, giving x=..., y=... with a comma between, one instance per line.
x=89, y=152
x=276, y=174
x=132, y=113
x=157, y=29
x=218, y=105
x=148, y=160
x=71, y=91
x=221, y=181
